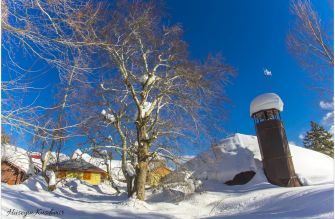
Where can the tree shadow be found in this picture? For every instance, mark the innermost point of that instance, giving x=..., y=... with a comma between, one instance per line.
x=28, y=202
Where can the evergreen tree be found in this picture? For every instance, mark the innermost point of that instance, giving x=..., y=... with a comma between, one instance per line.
x=319, y=139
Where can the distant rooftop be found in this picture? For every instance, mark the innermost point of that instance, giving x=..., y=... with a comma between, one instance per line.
x=76, y=165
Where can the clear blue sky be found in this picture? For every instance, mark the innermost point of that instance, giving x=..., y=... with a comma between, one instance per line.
x=251, y=36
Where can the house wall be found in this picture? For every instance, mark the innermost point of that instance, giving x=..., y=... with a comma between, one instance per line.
x=155, y=176
x=90, y=177
x=11, y=174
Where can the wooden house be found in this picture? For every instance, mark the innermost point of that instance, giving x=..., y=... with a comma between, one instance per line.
x=12, y=174
x=157, y=170
x=155, y=175
x=79, y=169
x=16, y=165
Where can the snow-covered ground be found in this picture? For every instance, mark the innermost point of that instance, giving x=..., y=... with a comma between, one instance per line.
x=256, y=199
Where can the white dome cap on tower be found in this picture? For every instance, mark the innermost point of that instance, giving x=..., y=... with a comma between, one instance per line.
x=266, y=101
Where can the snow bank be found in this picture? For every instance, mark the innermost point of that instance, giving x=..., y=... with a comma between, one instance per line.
x=266, y=101
x=80, y=200
x=311, y=166
x=222, y=162
x=240, y=153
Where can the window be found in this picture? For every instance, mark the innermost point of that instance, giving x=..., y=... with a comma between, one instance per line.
x=87, y=176
x=271, y=114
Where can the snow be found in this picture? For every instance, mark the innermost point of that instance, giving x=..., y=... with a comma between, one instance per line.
x=80, y=200
x=256, y=199
x=240, y=153
x=312, y=167
x=266, y=101
x=17, y=156
x=78, y=154
x=53, y=157
x=115, y=165
x=52, y=177
x=144, y=79
x=103, y=112
x=145, y=108
x=185, y=158
x=224, y=161
x=130, y=170
x=108, y=116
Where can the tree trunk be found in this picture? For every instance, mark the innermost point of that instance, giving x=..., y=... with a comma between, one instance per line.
x=130, y=185
x=110, y=178
x=141, y=170
x=129, y=179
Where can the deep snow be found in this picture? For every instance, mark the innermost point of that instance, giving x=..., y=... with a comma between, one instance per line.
x=240, y=153
x=256, y=199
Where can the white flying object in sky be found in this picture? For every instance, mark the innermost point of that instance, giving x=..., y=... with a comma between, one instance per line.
x=267, y=72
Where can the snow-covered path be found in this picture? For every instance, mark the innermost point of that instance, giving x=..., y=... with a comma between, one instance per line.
x=261, y=200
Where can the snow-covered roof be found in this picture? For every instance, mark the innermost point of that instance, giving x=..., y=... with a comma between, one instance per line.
x=241, y=153
x=77, y=165
x=16, y=156
x=53, y=156
x=266, y=101
x=115, y=165
x=78, y=154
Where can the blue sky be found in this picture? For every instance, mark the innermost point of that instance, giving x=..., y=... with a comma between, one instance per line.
x=251, y=36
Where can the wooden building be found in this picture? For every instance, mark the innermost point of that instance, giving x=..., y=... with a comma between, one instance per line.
x=155, y=175
x=16, y=165
x=12, y=174
x=79, y=169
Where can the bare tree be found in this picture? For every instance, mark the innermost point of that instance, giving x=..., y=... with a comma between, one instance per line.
x=45, y=32
x=309, y=41
x=167, y=95
x=156, y=94
x=107, y=124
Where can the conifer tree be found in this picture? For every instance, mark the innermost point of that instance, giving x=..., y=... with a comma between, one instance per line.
x=319, y=139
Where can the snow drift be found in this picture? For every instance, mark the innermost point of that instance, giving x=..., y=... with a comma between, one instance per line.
x=240, y=153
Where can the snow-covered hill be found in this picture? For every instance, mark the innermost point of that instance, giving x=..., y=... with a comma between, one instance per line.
x=255, y=200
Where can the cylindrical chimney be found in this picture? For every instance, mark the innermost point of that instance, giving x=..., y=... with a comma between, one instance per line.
x=276, y=157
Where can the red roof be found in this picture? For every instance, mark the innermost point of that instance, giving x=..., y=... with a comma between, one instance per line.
x=36, y=156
